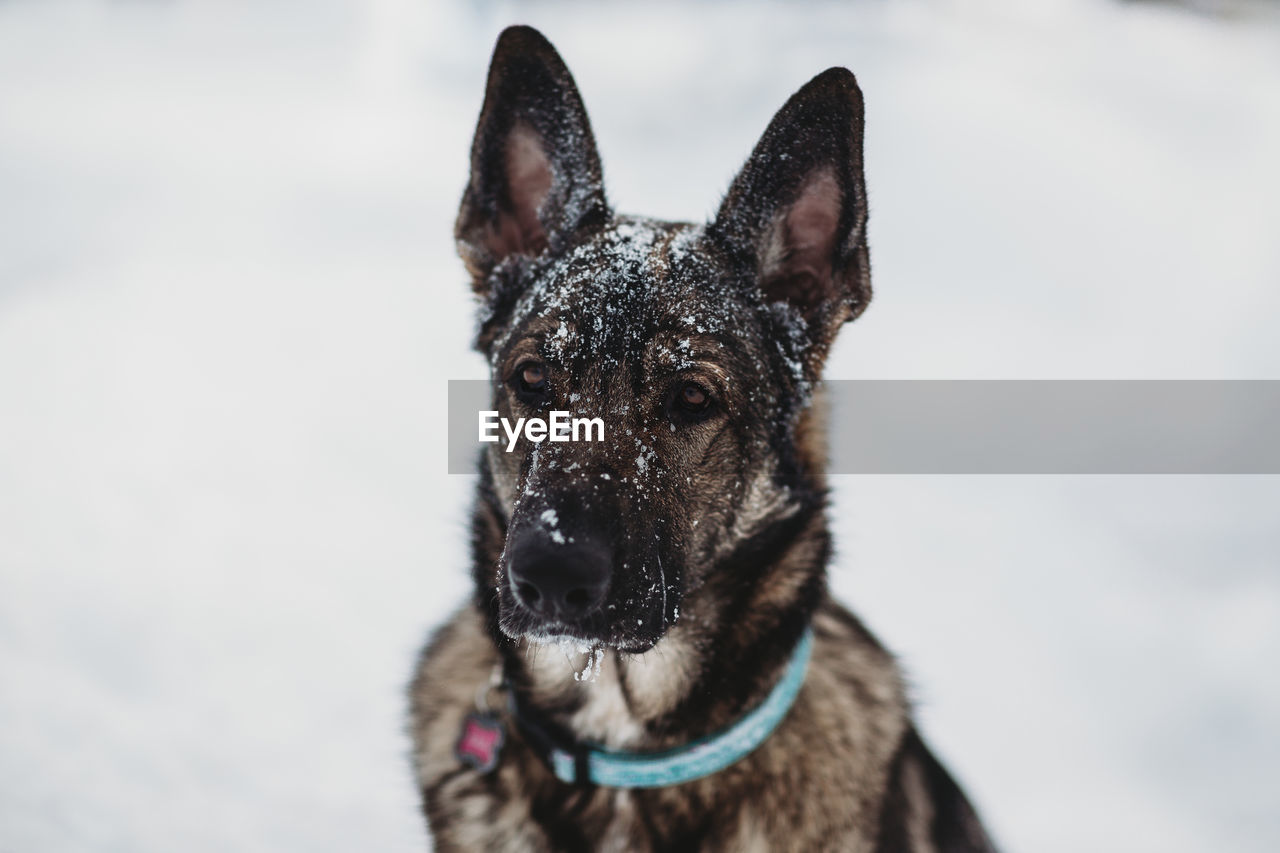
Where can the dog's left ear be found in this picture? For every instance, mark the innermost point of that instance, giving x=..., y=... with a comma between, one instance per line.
x=795, y=217
x=535, y=173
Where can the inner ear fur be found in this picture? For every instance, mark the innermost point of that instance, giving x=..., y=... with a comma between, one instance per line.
x=528, y=173
x=797, y=256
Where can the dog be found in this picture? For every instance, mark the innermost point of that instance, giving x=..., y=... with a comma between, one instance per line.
x=652, y=660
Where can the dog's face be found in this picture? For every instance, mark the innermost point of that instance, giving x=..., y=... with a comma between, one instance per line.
x=697, y=347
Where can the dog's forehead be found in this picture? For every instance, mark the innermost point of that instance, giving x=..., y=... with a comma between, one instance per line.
x=634, y=284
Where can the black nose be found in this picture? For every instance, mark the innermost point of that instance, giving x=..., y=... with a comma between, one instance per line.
x=563, y=582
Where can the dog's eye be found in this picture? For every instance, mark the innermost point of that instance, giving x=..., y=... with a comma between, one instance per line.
x=533, y=376
x=531, y=382
x=691, y=402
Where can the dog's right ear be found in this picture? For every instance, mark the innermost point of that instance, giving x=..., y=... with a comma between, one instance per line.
x=535, y=173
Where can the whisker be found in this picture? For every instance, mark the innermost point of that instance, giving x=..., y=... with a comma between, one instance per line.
x=662, y=575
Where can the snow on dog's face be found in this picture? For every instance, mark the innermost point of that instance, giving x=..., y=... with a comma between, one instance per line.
x=636, y=327
x=696, y=346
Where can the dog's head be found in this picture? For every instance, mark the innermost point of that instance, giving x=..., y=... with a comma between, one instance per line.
x=697, y=346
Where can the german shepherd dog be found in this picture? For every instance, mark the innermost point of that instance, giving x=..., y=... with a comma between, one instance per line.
x=643, y=593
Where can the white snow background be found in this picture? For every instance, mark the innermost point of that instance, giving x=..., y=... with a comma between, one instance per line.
x=229, y=304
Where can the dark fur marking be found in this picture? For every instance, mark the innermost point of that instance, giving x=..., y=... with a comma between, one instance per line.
x=721, y=683
x=952, y=826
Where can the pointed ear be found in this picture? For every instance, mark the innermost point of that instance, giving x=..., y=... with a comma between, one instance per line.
x=795, y=217
x=535, y=174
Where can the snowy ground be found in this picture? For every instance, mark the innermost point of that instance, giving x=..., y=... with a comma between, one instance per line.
x=229, y=304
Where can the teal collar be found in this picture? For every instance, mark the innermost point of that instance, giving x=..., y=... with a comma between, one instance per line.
x=582, y=764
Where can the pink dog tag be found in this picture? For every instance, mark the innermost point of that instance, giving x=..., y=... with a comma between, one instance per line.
x=480, y=741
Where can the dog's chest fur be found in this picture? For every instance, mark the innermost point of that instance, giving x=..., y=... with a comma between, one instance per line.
x=823, y=775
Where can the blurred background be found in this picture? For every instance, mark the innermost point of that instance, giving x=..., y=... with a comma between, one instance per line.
x=229, y=304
